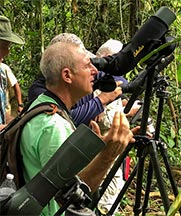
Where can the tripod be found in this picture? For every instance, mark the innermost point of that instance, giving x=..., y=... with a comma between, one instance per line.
x=145, y=146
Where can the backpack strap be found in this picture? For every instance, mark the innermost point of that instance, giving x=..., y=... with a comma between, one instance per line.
x=29, y=114
x=54, y=109
x=46, y=107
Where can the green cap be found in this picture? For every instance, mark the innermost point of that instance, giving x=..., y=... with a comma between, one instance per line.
x=6, y=32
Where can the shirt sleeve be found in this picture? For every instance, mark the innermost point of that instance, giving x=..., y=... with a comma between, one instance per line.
x=87, y=111
x=11, y=77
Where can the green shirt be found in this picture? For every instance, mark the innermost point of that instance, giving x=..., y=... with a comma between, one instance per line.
x=41, y=137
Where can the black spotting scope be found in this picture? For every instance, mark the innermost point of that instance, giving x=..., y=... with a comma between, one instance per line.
x=149, y=37
x=58, y=175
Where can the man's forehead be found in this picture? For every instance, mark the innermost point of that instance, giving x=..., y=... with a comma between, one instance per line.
x=82, y=55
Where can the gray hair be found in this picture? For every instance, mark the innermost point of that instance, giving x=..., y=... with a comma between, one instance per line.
x=110, y=47
x=67, y=37
x=71, y=38
x=56, y=57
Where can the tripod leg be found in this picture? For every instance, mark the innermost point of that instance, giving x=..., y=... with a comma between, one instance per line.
x=137, y=206
x=158, y=174
x=123, y=191
x=147, y=191
x=163, y=151
x=97, y=196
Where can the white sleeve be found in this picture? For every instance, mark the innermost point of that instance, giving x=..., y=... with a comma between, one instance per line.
x=11, y=77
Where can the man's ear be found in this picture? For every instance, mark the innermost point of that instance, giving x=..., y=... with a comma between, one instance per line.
x=67, y=75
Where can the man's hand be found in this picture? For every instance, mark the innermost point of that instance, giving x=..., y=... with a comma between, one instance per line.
x=116, y=141
x=118, y=136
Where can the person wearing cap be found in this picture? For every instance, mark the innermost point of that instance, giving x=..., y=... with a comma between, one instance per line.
x=6, y=38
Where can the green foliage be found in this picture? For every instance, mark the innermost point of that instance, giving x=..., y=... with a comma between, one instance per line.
x=179, y=69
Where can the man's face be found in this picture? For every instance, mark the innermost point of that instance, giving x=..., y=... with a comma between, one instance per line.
x=84, y=73
x=4, y=48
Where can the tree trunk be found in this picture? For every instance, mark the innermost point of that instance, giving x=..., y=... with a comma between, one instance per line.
x=134, y=7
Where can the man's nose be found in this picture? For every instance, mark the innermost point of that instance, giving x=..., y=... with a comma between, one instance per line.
x=94, y=69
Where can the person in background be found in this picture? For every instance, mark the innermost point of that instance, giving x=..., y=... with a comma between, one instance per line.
x=69, y=76
x=88, y=107
x=6, y=38
x=111, y=47
x=104, y=121
x=12, y=84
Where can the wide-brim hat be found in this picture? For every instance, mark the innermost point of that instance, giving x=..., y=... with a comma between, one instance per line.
x=6, y=32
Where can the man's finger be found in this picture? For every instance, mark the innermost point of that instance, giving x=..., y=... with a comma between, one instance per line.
x=95, y=127
x=124, y=120
x=119, y=83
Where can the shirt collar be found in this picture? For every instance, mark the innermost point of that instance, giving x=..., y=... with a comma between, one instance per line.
x=57, y=99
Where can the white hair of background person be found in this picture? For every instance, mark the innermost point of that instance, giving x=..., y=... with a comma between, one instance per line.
x=110, y=47
x=71, y=38
x=105, y=121
x=68, y=37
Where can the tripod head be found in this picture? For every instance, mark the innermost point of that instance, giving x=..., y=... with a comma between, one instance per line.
x=138, y=85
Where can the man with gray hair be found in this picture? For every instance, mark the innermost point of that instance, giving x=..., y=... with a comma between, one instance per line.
x=69, y=76
x=88, y=107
